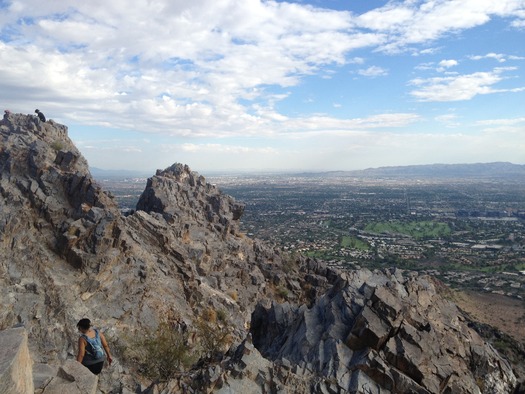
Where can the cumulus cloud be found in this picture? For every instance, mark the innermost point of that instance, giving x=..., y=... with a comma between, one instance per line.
x=496, y=56
x=167, y=66
x=373, y=71
x=415, y=22
x=227, y=68
x=448, y=63
x=460, y=87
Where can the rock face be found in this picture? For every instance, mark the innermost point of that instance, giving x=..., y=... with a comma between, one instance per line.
x=385, y=332
x=15, y=363
x=66, y=252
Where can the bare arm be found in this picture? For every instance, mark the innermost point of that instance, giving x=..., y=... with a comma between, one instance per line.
x=81, y=349
x=106, y=348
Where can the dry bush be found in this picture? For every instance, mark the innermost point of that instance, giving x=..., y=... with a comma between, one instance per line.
x=213, y=333
x=234, y=295
x=161, y=354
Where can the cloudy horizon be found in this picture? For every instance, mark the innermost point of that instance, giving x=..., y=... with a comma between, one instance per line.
x=272, y=85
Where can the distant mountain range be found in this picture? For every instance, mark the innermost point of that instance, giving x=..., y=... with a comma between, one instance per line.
x=497, y=170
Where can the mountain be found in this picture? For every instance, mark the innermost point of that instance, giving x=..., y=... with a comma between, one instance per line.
x=286, y=324
x=494, y=171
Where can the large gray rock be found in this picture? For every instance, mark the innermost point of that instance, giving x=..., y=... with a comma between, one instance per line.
x=72, y=378
x=42, y=375
x=15, y=363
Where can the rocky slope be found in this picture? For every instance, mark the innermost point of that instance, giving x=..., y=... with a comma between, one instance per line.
x=66, y=252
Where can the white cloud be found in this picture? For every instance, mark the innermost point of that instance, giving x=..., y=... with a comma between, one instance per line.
x=357, y=60
x=325, y=124
x=168, y=66
x=373, y=71
x=461, y=87
x=449, y=120
x=511, y=126
x=448, y=63
x=511, y=121
x=221, y=148
x=417, y=21
x=497, y=56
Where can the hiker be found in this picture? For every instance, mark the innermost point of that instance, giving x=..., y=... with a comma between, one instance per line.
x=90, y=344
x=41, y=116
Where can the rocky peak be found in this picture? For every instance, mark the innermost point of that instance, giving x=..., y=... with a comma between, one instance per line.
x=46, y=167
x=179, y=192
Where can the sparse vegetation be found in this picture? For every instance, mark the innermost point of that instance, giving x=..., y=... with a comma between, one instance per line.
x=57, y=145
x=289, y=261
x=221, y=315
x=213, y=333
x=164, y=353
x=161, y=354
x=282, y=292
x=234, y=295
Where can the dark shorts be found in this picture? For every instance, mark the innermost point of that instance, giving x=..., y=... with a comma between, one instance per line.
x=95, y=368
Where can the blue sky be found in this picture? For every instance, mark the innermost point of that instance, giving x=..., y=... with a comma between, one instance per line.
x=262, y=85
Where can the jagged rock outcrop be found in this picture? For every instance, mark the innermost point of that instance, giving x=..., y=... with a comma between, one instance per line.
x=180, y=192
x=386, y=332
x=67, y=252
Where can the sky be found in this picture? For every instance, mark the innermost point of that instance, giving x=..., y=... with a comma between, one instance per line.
x=251, y=85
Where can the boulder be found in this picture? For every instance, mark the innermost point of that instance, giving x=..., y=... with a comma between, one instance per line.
x=72, y=378
x=15, y=362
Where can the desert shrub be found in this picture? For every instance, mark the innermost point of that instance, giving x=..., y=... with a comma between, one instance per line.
x=57, y=145
x=162, y=353
x=282, y=292
x=234, y=295
x=289, y=262
x=221, y=315
x=213, y=332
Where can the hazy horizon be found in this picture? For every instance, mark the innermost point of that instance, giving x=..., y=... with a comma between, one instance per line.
x=149, y=172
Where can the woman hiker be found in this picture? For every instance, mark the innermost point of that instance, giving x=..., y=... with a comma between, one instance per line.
x=93, y=348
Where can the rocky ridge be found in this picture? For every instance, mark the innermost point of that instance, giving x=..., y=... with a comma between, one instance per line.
x=296, y=325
